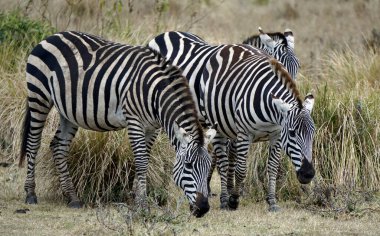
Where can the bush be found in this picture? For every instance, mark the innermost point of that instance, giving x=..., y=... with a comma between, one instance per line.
x=18, y=35
x=21, y=31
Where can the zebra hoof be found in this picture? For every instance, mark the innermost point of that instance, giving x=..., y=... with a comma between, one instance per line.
x=233, y=202
x=31, y=198
x=75, y=204
x=224, y=205
x=274, y=208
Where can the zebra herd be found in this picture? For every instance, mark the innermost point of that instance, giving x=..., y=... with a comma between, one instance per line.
x=179, y=82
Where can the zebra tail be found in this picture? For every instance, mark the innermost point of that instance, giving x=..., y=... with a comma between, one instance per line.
x=24, y=136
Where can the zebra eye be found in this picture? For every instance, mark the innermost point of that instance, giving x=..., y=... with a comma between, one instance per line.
x=292, y=133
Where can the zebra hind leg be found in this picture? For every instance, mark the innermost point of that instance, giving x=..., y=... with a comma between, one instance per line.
x=60, y=146
x=34, y=122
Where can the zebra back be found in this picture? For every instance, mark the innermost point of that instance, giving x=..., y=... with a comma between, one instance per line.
x=286, y=80
x=101, y=78
x=280, y=46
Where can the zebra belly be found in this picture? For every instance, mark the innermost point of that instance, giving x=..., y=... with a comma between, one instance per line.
x=111, y=122
x=88, y=111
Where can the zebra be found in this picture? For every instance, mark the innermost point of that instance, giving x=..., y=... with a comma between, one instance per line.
x=253, y=98
x=190, y=53
x=280, y=46
x=103, y=86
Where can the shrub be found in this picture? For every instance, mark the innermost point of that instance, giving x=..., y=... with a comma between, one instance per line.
x=18, y=34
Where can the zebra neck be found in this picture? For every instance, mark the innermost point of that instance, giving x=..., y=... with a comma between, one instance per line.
x=175, y=105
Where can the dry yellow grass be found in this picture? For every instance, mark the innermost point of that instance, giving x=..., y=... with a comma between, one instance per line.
x=319, y=26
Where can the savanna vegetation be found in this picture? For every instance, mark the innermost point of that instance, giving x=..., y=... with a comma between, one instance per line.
x=338, y=44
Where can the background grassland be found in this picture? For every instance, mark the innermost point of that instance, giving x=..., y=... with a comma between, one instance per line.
x=338, y=45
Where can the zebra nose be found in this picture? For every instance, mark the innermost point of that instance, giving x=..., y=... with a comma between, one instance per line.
x=201, y=206
x=306, y=173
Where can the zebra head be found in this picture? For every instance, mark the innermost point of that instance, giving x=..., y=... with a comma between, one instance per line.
x=297, y=136
x=282, y=50
x=191, y=169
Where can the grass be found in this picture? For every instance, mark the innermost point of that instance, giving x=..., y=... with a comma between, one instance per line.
x=51, y=217
x=343, y=198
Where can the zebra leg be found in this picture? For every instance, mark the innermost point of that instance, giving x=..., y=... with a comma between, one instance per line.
x=242, y=148
x=150, y=138
x=137, y=139
x=220, y=145
x=35, y=118
x=273, y=164
x=231, y=166
x=60, y=146
x=212, y=168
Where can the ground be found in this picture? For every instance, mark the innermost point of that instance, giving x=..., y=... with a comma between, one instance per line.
x=252, y=218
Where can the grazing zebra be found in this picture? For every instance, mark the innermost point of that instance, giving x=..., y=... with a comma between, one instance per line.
x=281, y=47
x=278, y=45
x=253, y=98
x=104, y=86
x=191, y=53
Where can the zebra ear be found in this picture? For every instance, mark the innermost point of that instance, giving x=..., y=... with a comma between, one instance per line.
x=181, y=134
x=289, y=37
x=308, y=103
x=266, y=40
x=281, y=105
x=210, y=134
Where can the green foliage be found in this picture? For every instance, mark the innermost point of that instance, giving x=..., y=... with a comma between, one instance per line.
x=21, y=31
x=261, y=2
x=18, y=35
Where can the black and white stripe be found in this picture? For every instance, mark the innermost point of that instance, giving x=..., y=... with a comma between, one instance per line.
x=280, y=46
x=192, y=55
x=104, y=86
x=253, y=99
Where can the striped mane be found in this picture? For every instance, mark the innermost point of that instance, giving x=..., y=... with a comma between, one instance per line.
x=175, y=73
x=286, y=79
x=276, y=36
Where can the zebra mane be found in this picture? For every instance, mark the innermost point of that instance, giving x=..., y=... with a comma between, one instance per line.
x=175, y=73
x=286, y=79
x=276, y=36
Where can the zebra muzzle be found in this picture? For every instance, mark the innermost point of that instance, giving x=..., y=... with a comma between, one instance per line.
x=306, y=173
x=201, y=206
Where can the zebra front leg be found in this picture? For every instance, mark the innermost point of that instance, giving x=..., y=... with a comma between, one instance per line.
x=212, y=168
x=242, y=148
x=231, y=166
x=219, y=148
x=137, y=137
x=60, y=146
x=273, y=164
